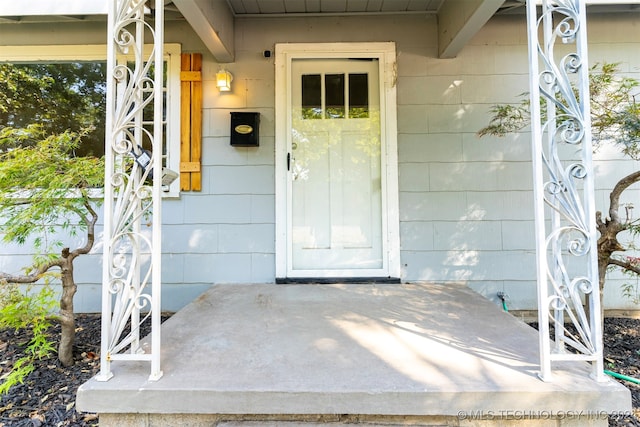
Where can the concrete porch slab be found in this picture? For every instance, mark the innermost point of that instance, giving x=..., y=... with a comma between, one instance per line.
x=388, y=350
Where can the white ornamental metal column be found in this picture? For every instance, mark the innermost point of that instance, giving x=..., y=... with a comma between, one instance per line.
x=132, y=251
x=566, y=236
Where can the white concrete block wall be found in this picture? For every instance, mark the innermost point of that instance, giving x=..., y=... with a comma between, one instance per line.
x=509, y=61
x=472, y=183
x=466, y=204
x=492, y=179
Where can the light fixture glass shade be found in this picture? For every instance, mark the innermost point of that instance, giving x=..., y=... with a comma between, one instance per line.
x=223, y=80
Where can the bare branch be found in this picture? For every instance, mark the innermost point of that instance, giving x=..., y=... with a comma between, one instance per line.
x=91, y=225
x=33, y=277
x=614, y=197
x=599, y=223
x=625, y=265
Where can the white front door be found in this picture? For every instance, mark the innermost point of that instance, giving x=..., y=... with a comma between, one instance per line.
x=335, y=173
x=336, y=181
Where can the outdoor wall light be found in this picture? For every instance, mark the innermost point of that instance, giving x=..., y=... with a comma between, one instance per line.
x=223, y=80
x=143, y=158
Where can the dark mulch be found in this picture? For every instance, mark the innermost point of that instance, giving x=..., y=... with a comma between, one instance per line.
x=47, y=397
x=622, y=355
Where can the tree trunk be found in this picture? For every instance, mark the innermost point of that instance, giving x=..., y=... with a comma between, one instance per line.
x=603, y=264
x=65, y=263
x=67, y=317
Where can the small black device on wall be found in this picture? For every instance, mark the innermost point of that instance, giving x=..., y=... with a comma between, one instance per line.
x=245, y=129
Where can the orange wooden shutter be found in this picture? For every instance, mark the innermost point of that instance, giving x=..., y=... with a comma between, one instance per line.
x=191, y=122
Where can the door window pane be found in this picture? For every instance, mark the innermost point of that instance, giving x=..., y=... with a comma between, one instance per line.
x=358, y=96
x=334, y=89
x=311, y=96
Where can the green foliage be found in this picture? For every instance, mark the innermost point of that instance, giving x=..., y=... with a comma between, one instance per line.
x=59, y=97
x=631, y=288
x=615, y=116
x=507, y=118
x=21, y=310
x=51, y=124
x=43, y=186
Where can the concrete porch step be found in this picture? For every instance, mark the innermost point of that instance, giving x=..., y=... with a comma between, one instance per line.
x=190, y=420
x=441, y=353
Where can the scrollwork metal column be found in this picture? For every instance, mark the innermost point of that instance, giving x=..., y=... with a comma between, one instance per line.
x=132, y=249
x=567, y=268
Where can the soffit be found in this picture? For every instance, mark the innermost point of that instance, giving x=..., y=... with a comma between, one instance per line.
x=280, y=7
x=266, y=8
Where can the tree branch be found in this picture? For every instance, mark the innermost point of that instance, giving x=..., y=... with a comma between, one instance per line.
x=91, y=236
x=625, y=265
x=614, y=197
x=33, y=277
x=600, y=225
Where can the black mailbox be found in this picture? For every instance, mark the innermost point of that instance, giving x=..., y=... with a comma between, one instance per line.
x=245, y=129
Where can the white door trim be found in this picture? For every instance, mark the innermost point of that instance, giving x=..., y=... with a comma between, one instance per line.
x=386, y=54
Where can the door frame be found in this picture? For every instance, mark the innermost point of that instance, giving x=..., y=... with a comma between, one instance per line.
x=385, y=52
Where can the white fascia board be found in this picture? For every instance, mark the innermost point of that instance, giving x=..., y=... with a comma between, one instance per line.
x=52, y=7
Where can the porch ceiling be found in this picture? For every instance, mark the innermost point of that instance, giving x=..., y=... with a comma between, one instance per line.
x=244, y=7
x=458, y=20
